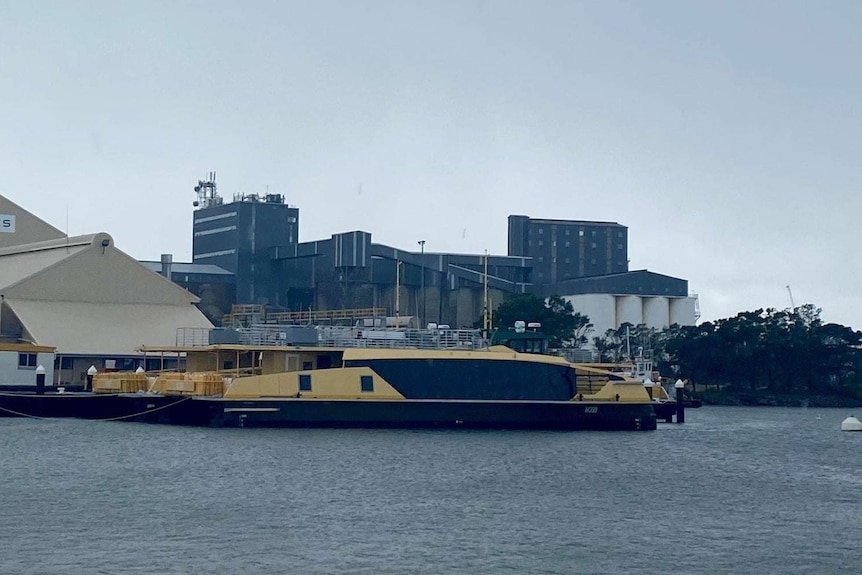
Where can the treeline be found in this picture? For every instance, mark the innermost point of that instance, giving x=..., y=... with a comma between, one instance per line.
x=754, y=354
x=778, y=352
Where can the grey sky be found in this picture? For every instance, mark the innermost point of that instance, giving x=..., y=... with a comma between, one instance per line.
x=725, y=135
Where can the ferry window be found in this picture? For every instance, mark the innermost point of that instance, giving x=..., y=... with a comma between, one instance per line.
x=26, y=360
x=307, y=365
x=304, y=382
x=367, y=383
x=324, y=362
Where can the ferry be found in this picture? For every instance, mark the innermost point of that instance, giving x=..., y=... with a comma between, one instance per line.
x=346, y=377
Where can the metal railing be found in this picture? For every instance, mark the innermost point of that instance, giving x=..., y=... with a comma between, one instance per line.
x=333, y=336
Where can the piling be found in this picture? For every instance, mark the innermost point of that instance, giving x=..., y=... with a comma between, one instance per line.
x=40, y=380
x=680, y=401
x=90, y=373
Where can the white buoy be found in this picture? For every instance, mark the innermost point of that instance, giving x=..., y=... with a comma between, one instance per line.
x=851, y=424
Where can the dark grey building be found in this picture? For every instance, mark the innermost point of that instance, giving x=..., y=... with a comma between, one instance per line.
x=254, y=240
x=240, y=237
x=567, y=249
x=636, y=282
x=349, y=271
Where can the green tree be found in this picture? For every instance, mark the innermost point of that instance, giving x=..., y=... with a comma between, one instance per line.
x=768, y=350
x=560, y=322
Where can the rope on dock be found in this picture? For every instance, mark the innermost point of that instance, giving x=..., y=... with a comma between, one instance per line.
x=122, y=417
x=118, y=418
x=19, y=414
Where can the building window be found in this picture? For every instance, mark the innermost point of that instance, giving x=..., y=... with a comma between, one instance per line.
x=594, y=245
x=619, y=234
x=567, y=244
x=581, y=233
x=64, y=363
x=553, y=260
x=593, y=262
x=619, y=246
x=554, y=244
x=541, y=243
x=541, y=259
x=304, y=382
x=367, y=383
x=541, y=231
x=567, y=232
x=567, y=260
x=26, y=361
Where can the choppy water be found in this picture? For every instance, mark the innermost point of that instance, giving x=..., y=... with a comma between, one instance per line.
x=734, y=490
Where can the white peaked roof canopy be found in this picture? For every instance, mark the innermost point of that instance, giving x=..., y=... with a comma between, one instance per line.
x=104, y=329
x=85, y=296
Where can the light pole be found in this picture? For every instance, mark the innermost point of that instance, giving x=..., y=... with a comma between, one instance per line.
x=422, y=282
x=397, y=294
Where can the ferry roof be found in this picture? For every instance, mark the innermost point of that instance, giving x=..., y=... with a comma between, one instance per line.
x=233, y=347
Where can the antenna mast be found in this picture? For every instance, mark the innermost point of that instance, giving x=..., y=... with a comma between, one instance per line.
x=207, y=194
x=486, y=320
x=790, y=293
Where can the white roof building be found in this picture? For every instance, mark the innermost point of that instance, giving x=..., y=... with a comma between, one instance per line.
x=81, y=294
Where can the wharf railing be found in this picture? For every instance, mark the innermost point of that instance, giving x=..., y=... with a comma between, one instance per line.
x=332, y=336
x=246, y=315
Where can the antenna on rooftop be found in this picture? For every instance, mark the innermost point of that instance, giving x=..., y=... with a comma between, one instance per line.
x=207, y=193
x=790, y=293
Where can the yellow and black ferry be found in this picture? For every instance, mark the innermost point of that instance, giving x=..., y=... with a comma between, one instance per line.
x=378, y=381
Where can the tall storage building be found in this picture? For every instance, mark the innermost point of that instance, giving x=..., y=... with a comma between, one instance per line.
x=242, y=237
x=569, y=249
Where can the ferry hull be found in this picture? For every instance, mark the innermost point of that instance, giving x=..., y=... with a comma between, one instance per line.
x=446, y=414
x=452, y=414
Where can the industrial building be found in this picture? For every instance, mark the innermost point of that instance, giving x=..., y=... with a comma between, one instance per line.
x=256, y=238
x=241, y=236
x=567, y=249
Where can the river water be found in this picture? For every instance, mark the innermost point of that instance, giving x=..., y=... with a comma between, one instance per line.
x=733, y=490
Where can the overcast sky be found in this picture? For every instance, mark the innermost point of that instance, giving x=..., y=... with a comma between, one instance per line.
x=726, y=135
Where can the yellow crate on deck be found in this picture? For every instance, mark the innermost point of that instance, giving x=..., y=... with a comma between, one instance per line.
x=120, y=382
x=204, y=383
